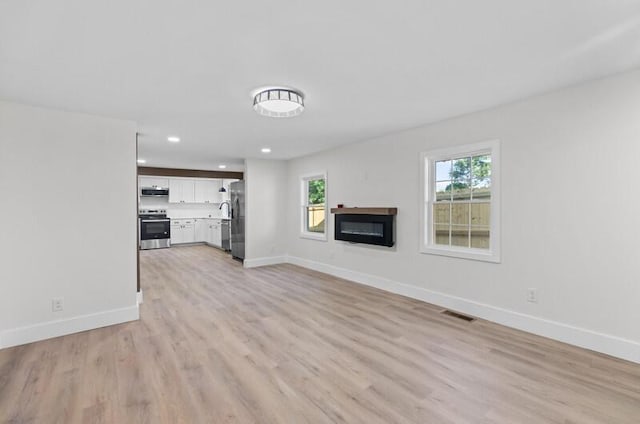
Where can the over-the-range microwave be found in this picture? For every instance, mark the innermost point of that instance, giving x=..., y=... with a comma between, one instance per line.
x=154, y=191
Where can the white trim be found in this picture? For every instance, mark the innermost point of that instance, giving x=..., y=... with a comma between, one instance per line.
x=62, y=327
x=303, y=205
x=273, y=260
x=461, y=252
x=315, y=236
x=139, y=297
x=581, y=337
x=426, y=194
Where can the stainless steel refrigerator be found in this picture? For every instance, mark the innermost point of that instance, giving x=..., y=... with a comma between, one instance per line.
x=237, y=219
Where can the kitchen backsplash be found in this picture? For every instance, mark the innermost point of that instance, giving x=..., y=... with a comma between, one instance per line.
x=183, y=210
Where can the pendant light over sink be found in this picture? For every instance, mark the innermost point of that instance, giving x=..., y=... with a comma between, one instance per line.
x=222, y=189
x=278, y=102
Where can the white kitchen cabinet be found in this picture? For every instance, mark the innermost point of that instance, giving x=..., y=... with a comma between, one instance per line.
x=202, y=230
x=175, y=191
x=153, y=182
x=176, y=231
x=208, y=191
x=197, y=230
x=183, y=231
x=207, y=232
x=215, y=233
x=181, y=190
x=189, y=231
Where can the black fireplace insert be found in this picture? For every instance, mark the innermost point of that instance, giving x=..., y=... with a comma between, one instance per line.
x=365, y=228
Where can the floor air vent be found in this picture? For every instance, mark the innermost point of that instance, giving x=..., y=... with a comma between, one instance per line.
x=459, y=316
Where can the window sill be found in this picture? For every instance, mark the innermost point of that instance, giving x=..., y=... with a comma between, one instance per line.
x=312, y=236
x=462, y=253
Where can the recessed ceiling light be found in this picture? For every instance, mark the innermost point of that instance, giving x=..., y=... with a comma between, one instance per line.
x=142, y=161
x=265, y=150
x=222, y=166
x=278, y=102
x=173, y=139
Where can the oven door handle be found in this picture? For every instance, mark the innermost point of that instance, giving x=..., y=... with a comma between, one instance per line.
x=155, y=220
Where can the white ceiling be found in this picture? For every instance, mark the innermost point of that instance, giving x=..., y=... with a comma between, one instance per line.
x=367, y=67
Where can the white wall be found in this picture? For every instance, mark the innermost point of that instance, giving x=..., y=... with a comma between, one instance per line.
x=266, y=194
x=570, y=215
x=69, y=181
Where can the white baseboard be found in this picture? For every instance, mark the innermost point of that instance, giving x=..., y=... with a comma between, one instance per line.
x=139, y=297
x=273, y=260
x=62, y=327
x=588, y=339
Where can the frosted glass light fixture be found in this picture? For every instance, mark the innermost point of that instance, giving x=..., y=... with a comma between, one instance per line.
x=278, y=102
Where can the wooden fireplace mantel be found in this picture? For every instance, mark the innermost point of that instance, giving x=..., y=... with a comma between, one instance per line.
x=365, y=211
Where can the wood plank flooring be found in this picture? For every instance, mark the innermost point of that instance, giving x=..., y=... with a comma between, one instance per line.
x=220, y=344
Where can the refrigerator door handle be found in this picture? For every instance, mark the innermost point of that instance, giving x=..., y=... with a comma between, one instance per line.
x=236, y=206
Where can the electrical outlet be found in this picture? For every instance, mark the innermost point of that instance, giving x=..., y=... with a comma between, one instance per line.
x=532, y=295
x=57, y=304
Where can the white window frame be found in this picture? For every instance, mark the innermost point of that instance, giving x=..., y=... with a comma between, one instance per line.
x=427, y=178
x=304, y=179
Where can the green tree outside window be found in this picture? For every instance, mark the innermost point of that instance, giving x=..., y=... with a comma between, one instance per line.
x=316, y=192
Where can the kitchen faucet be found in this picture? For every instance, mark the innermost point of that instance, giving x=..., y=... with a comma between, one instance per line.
x=228, y=207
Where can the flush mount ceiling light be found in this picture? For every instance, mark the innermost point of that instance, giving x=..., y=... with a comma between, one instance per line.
x=173, y=139
x=142, y=161
x=222, y=166
x=265, y=150
x=278, y=102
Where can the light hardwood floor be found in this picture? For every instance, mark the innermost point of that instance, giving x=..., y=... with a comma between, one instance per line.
x=220, y=344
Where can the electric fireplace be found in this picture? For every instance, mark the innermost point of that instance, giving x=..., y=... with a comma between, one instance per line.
x=369, y=228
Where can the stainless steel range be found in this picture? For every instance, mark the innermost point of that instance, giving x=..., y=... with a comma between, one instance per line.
x=155, y=229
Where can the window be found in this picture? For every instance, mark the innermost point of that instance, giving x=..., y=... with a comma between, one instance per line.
x=314, y=191
x=461, y=202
